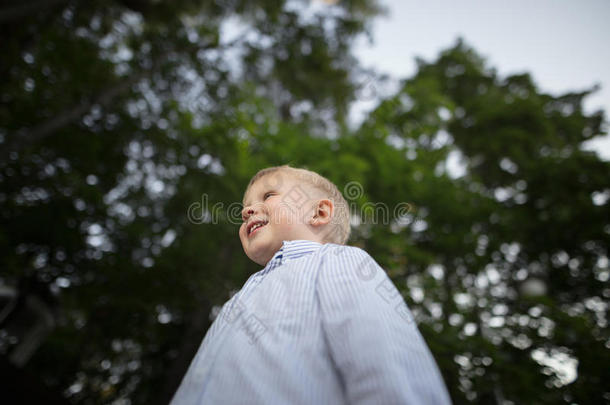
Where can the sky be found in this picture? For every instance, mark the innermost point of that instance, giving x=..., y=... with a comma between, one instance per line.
x=559, y=42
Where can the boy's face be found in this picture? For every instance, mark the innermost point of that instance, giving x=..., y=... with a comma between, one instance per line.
x=277, y=207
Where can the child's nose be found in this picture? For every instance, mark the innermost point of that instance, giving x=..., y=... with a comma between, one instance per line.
x=246, y=213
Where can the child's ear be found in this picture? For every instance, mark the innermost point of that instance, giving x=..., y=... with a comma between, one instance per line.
x=323, y=212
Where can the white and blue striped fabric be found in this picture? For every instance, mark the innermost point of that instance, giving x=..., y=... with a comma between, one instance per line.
x=320, y=324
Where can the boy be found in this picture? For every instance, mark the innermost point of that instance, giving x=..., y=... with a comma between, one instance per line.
x=321, y=323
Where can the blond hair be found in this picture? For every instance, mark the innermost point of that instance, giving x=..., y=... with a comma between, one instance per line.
x=340, y=223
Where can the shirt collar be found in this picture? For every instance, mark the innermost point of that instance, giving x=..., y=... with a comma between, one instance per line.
x=292, y=249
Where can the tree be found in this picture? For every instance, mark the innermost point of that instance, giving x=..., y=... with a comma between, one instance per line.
x=128, y=136
x=116, y=117
x=505, y=265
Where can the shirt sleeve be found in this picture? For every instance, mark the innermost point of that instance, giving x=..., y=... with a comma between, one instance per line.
x=379, y=353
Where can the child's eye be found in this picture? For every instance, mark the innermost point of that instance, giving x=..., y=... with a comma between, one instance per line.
x=267, y=195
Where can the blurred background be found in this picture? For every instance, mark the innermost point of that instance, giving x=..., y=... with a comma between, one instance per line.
x=130, y=128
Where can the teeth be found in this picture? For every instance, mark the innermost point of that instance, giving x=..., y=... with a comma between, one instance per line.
x=256, y=226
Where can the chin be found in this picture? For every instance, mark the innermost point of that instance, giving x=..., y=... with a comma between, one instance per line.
x=260, y=262
x=261, y=253
x=260, y=258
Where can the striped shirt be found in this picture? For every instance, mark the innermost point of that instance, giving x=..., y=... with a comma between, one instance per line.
x=320, y=324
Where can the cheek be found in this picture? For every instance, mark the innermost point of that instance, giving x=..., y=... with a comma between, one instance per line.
x=283, y=211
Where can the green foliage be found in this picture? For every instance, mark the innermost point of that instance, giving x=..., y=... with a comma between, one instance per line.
x=130, y=128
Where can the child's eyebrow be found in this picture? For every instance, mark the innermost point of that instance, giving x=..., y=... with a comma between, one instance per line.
x=262, y=193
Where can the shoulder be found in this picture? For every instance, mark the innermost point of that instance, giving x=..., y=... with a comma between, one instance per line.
x=348, y=261
x=333, y=251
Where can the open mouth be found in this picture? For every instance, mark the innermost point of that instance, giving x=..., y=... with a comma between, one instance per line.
x=255, y=226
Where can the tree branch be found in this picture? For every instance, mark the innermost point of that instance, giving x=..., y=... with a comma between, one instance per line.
x=50, y=126
x=17, y=12
x=68, y=116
